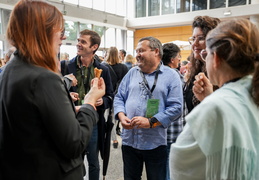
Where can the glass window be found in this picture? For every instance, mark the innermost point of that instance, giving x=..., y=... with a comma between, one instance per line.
x=217, y=4
x=83, y=26
x=1, y=49
x=153, y=7
x=1, y=22
x=86, y=3
x=110, y=37
x=168, y=6
x=71, y=30
x=100, y=31
x=199, y=5
x=236, y=2
x=5, y=19
x=183, y=6
x=140, y=8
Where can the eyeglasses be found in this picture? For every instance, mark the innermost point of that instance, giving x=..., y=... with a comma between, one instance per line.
x=203, y=54
x=179, y=56
x=192, y=40
x=62, y=33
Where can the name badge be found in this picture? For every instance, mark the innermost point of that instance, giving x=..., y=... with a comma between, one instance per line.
x=152, y=107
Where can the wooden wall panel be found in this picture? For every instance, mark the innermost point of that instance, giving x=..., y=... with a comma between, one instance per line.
x=167, y=34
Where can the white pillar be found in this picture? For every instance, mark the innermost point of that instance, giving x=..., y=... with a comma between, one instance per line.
x=255, y=18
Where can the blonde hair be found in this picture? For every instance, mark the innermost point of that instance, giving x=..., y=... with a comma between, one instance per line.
x=113, y=56
x=130, y=59
x=1, y=62
x=31, y=29
x=64, y=56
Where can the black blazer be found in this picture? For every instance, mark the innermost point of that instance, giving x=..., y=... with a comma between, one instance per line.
x=43, y=138
x=71, y=67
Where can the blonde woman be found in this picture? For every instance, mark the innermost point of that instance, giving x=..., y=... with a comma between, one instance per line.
x=130, y=61
x=117, y=71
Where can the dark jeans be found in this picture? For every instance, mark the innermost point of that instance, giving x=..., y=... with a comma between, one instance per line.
x=92, y=155
x=155, y=163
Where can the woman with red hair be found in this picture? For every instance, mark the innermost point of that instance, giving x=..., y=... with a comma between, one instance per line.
x=41, y=137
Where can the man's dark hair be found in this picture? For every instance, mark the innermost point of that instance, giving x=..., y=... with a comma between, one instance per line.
x=170, y=50
x=94, y=37
x=124, y=52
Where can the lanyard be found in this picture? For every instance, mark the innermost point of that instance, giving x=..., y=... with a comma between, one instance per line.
x=155, y=81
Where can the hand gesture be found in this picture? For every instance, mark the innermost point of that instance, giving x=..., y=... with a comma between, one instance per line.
x=74, y=96
x=202, y=86
x=96, y=92
x=99, y=102
x=140, y=122
x=72, y=78
x=77, y=108
x=125, y=121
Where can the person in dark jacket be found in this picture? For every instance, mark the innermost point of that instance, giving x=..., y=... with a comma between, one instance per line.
x=82, y=67
x=41, y=136
x=118, y=71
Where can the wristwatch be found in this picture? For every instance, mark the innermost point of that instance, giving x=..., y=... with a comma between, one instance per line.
x=153, y=122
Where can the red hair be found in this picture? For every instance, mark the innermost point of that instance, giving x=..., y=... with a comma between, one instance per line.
x=31, y=29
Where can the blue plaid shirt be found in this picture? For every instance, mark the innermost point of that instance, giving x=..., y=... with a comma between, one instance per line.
x=176, y=126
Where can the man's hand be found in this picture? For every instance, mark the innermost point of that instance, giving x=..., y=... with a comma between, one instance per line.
x=72, y=78
x=77, y=108
x=202, y=86
x=99, y=102
x=140, y=122
x=74, y=96
x=125, y=121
